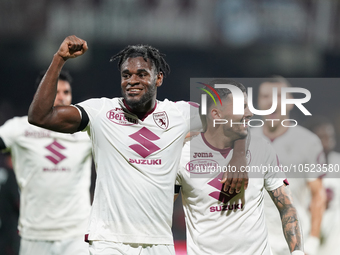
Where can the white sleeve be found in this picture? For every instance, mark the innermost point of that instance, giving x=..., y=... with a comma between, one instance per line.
x=92, y=107
x=9, y=132
x=190, y=112
x=274, y=176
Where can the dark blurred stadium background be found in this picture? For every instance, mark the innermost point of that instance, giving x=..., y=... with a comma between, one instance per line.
x=215, y=38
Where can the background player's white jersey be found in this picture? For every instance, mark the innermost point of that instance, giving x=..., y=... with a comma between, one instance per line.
x=297, y=146
x=53, y=171
x=330, y=226
x=235, y=226
x=136, y=162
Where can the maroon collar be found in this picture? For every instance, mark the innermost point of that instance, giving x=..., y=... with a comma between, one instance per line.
x=224, y=152
x=143, y=115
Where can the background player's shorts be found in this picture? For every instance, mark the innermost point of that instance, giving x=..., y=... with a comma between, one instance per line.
x=112, y=248
x=69, y=246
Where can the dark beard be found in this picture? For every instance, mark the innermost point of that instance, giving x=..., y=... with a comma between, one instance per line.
x=140, y=104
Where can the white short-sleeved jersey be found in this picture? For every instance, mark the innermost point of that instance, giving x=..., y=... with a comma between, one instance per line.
x=53, y=171
x=235, y=226
x=330, y=226
x=136, y=161
x=297, y=146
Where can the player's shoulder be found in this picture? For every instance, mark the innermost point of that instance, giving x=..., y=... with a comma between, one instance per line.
x=100, y=101
x=18, y=122
x=192, y=141
x=178, y=104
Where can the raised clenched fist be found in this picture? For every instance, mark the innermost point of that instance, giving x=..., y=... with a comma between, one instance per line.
x=72, y=47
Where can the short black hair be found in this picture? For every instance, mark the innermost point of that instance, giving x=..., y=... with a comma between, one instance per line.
x=222, y=92
x=145, y=51
x=64, y=76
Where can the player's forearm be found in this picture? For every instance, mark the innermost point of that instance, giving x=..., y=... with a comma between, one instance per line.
x=291, y=228
x=239, y=149
x=290, y=224
x=42, y=105
x=318, y=204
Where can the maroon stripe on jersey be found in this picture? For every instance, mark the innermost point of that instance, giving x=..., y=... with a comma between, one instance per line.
x=86, y=239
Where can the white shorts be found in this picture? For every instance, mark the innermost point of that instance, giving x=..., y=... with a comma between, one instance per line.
x=112, y=248
x=69, y=246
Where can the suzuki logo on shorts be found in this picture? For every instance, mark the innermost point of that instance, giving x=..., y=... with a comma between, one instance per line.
x=55, y=148
x=143, y=137
x=238, y=100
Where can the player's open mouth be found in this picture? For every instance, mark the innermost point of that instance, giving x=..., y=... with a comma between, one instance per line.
x=134, y=91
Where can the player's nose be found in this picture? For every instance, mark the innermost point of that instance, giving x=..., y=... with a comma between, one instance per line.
x=248, y=113
x=133, y=79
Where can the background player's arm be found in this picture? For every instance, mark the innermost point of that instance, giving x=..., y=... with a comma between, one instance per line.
x=290, y=223
x=42, y=113
x=318, y=206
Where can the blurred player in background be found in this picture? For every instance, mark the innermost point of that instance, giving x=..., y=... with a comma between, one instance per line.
x=137, y=142
x=53, y=171
x=330, y=227
x=222, y=223
x=294, y=146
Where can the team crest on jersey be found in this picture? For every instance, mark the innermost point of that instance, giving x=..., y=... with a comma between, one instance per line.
x=248, y=157
x=161, y=119
x=118, y=116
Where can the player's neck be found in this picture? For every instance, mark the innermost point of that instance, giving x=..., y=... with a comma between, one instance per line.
x=141, y=110
x=274, y=132
x=218, y=140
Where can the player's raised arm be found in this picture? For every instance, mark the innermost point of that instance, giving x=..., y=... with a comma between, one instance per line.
x=290, y=224
x=42, y=111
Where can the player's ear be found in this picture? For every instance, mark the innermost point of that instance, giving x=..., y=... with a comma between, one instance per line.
x=215, y=113
x=159, y=79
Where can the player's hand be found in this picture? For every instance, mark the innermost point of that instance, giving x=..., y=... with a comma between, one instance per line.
x=233, y=177
x=72, y=47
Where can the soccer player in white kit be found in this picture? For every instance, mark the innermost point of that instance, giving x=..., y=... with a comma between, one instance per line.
x=137, y=142
x=294, y=146
x=330, y=226
x=53, y=171
x=219, y=222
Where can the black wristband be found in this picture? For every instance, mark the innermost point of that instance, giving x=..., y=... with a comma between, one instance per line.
x=84, y=118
